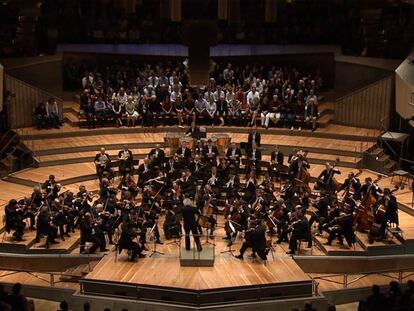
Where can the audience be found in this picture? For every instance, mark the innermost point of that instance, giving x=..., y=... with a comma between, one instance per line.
x=393, y=299
x=124, y=93
x=47, y=115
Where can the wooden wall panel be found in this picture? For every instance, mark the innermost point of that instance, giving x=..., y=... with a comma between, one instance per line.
x=366, y=107
x=26, y=99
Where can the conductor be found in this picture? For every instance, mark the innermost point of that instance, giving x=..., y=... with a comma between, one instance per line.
x=189, y=212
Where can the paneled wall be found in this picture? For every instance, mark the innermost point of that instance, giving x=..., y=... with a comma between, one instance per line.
x=366, y=107
x=26, y=98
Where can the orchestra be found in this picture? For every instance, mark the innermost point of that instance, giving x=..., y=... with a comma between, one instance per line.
x=186, y=194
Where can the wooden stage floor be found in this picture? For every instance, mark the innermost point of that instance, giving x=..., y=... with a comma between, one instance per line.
x=226, y=272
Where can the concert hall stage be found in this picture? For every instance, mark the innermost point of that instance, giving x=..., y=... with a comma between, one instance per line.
x=230, y=280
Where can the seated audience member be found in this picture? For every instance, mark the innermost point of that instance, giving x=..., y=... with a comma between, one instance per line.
x=52, y=111
x=100, y=110
x=311, y=114
x=40, y=114
x=16, y=300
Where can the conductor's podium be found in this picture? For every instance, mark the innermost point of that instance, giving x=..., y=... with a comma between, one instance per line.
x=195, y=258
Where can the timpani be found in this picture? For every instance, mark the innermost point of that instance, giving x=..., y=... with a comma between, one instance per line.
x=173, y=140
x=223, y=141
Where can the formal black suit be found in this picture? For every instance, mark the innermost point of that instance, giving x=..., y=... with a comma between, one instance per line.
x=190, y=225
x=188, y=185
x=236, y=158
x=125, y=166
x=186, y=153
x=103, y=164
x=195, y=132
x=255, y=239
x=301, y=230
x=277, y=157
x=254, y=137
x=212, y=159
x=144, y=172
x=159, y=158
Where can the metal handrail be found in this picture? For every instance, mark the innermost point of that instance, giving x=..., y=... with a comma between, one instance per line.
x=9, y=141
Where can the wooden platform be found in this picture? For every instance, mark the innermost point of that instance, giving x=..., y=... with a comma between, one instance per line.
x=28, y=245
x=229, y=281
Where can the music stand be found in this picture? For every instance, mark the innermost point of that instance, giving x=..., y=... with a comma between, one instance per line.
x=230, y=244
x=154, y=241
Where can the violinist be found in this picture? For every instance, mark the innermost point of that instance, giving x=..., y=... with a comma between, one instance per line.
x=107, y=190
x=326, y=178
x=250, y=189
x=233, y=155
x=183, y=153
x=232, y=183
x=341, y=227
x=144, y=172
x=158, y=156
x=188, y=183
x=171, y=169
x=125, y=161
x=172, y=225
x=299, y=230
x=127, y=183
x=214, y=181
x=29, y=210
x=223, y=170
x=14, y=220
x=90, y=232
x=106, y=219
x=47, y=186
x=102, y=162
x=45, y=227
x=255, y=238
x=129, y=238
x=321, y=213
x=60, y=219
x=197, y=167
x=37, y=199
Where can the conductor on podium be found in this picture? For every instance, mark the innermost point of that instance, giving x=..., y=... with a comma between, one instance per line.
x=189, y=212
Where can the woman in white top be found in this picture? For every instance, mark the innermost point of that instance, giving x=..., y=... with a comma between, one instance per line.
x=131, y=114
x=211, y=109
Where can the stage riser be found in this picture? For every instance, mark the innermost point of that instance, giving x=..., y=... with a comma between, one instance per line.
x=218, y=129
x=199, y=298
x=142, y=156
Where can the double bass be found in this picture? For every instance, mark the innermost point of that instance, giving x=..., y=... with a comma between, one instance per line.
x=378, y=220
x=303, y=175
x=363, y=213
